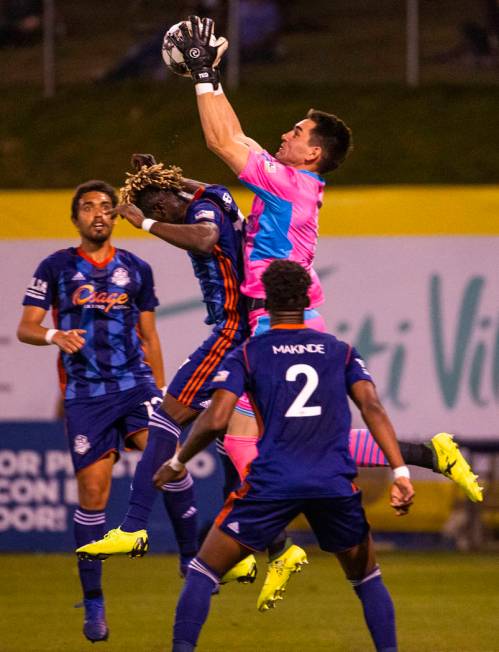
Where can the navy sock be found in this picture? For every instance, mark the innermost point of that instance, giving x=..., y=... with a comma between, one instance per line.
x=89, y=525
x=193, y=605
x=378, y=610
x=178, y=498
x=161, y=445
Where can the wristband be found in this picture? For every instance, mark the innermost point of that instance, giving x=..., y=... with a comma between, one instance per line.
x=147, y=224
x=219, y=90
x=401, y=472
x=176, y=464
x=49, y=335
x=204, y=87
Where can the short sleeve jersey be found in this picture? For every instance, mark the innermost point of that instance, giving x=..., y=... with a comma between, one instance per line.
x=105, y=300
x=298, y=381
x=283, y=222
x=220, y=273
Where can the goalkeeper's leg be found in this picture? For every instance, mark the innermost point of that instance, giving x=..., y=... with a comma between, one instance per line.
x=441, y=454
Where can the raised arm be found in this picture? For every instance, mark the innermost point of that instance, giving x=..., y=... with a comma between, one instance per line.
x=221, y=127
x=222, y=130
x=199, y=238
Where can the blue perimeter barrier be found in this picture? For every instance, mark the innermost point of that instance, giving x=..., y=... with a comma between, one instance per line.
x=38, y=493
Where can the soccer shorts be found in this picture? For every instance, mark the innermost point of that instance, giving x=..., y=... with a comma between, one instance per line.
x=338, y=523
x=100, y=425
x=192, y=380
x=259, y=321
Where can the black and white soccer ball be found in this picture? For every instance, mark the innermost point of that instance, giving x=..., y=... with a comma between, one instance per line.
x=174, y=59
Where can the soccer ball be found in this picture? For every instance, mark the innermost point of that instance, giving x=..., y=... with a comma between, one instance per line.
x=174, y=59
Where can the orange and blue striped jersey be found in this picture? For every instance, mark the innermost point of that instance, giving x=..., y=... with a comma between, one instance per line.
x=220, y=273
x=105, y=299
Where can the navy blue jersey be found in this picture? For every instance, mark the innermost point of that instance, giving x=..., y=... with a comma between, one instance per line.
x=219, y=273
x=105, y=299
x=298, y=380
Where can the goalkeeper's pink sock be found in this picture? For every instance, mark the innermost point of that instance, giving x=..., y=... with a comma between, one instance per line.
x=242, y=451
x=364, y=449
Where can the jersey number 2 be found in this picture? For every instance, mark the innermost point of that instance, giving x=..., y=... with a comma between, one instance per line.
x=298, y=407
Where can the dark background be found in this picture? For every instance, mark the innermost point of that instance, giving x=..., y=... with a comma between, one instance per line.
x=343, y=56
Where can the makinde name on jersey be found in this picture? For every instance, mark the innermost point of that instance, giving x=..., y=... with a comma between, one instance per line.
x=298, y=348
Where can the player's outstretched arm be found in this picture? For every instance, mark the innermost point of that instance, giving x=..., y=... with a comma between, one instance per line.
x=152, y=346
x=212, y=422
x=364, y=395
x=199, y=238
x=223, y=136
x=31, y=331
x=221, y=127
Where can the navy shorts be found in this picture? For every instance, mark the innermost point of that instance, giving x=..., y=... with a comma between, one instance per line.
x=193, y=378
x=338, y=523
x=99, y=425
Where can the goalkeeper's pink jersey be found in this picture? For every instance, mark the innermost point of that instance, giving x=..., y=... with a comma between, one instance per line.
x=283, y=222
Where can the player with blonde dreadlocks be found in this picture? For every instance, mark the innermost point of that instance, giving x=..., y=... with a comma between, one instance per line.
x=159, y=200
x=205, y=221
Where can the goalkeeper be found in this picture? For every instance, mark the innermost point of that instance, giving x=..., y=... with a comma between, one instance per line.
x=283, y=224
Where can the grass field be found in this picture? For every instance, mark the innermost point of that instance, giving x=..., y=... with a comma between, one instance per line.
x=445, y=602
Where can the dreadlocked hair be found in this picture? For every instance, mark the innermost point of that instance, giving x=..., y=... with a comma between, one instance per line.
x=286, y=286
x=150, y=176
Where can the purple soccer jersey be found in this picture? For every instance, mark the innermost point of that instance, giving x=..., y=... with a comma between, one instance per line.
x=105, y=299
x=298, y=380
x=283, y=222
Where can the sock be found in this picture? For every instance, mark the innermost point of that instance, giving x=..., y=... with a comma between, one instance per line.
x=378, y=610
x=242, y=451
x=161, y=444
x=364, y=449
x=178, y=498
x=193, y=605
x=89, y=525
x=418, y=455
x=279, y=545
x=231, y=476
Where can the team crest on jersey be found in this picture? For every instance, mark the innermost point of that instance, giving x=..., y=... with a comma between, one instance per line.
x=227, y=199
x=81, y=444
x=270, y=167
x=120, y=277
x=205, y=215
x=221, y=376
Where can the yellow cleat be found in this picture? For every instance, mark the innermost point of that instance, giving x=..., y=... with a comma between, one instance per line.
x=244, y=572
x=278, y=574
x=116, y=542
x=451, y=463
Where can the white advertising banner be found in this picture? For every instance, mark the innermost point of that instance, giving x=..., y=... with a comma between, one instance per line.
x=423, y=311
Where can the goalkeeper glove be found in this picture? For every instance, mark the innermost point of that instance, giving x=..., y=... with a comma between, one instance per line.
x=201, y=50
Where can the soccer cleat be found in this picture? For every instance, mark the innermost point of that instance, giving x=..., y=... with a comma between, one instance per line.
x=94, y=626
x=116, y=542
x=278, y=574
x=451, y=463
x=244, y=572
